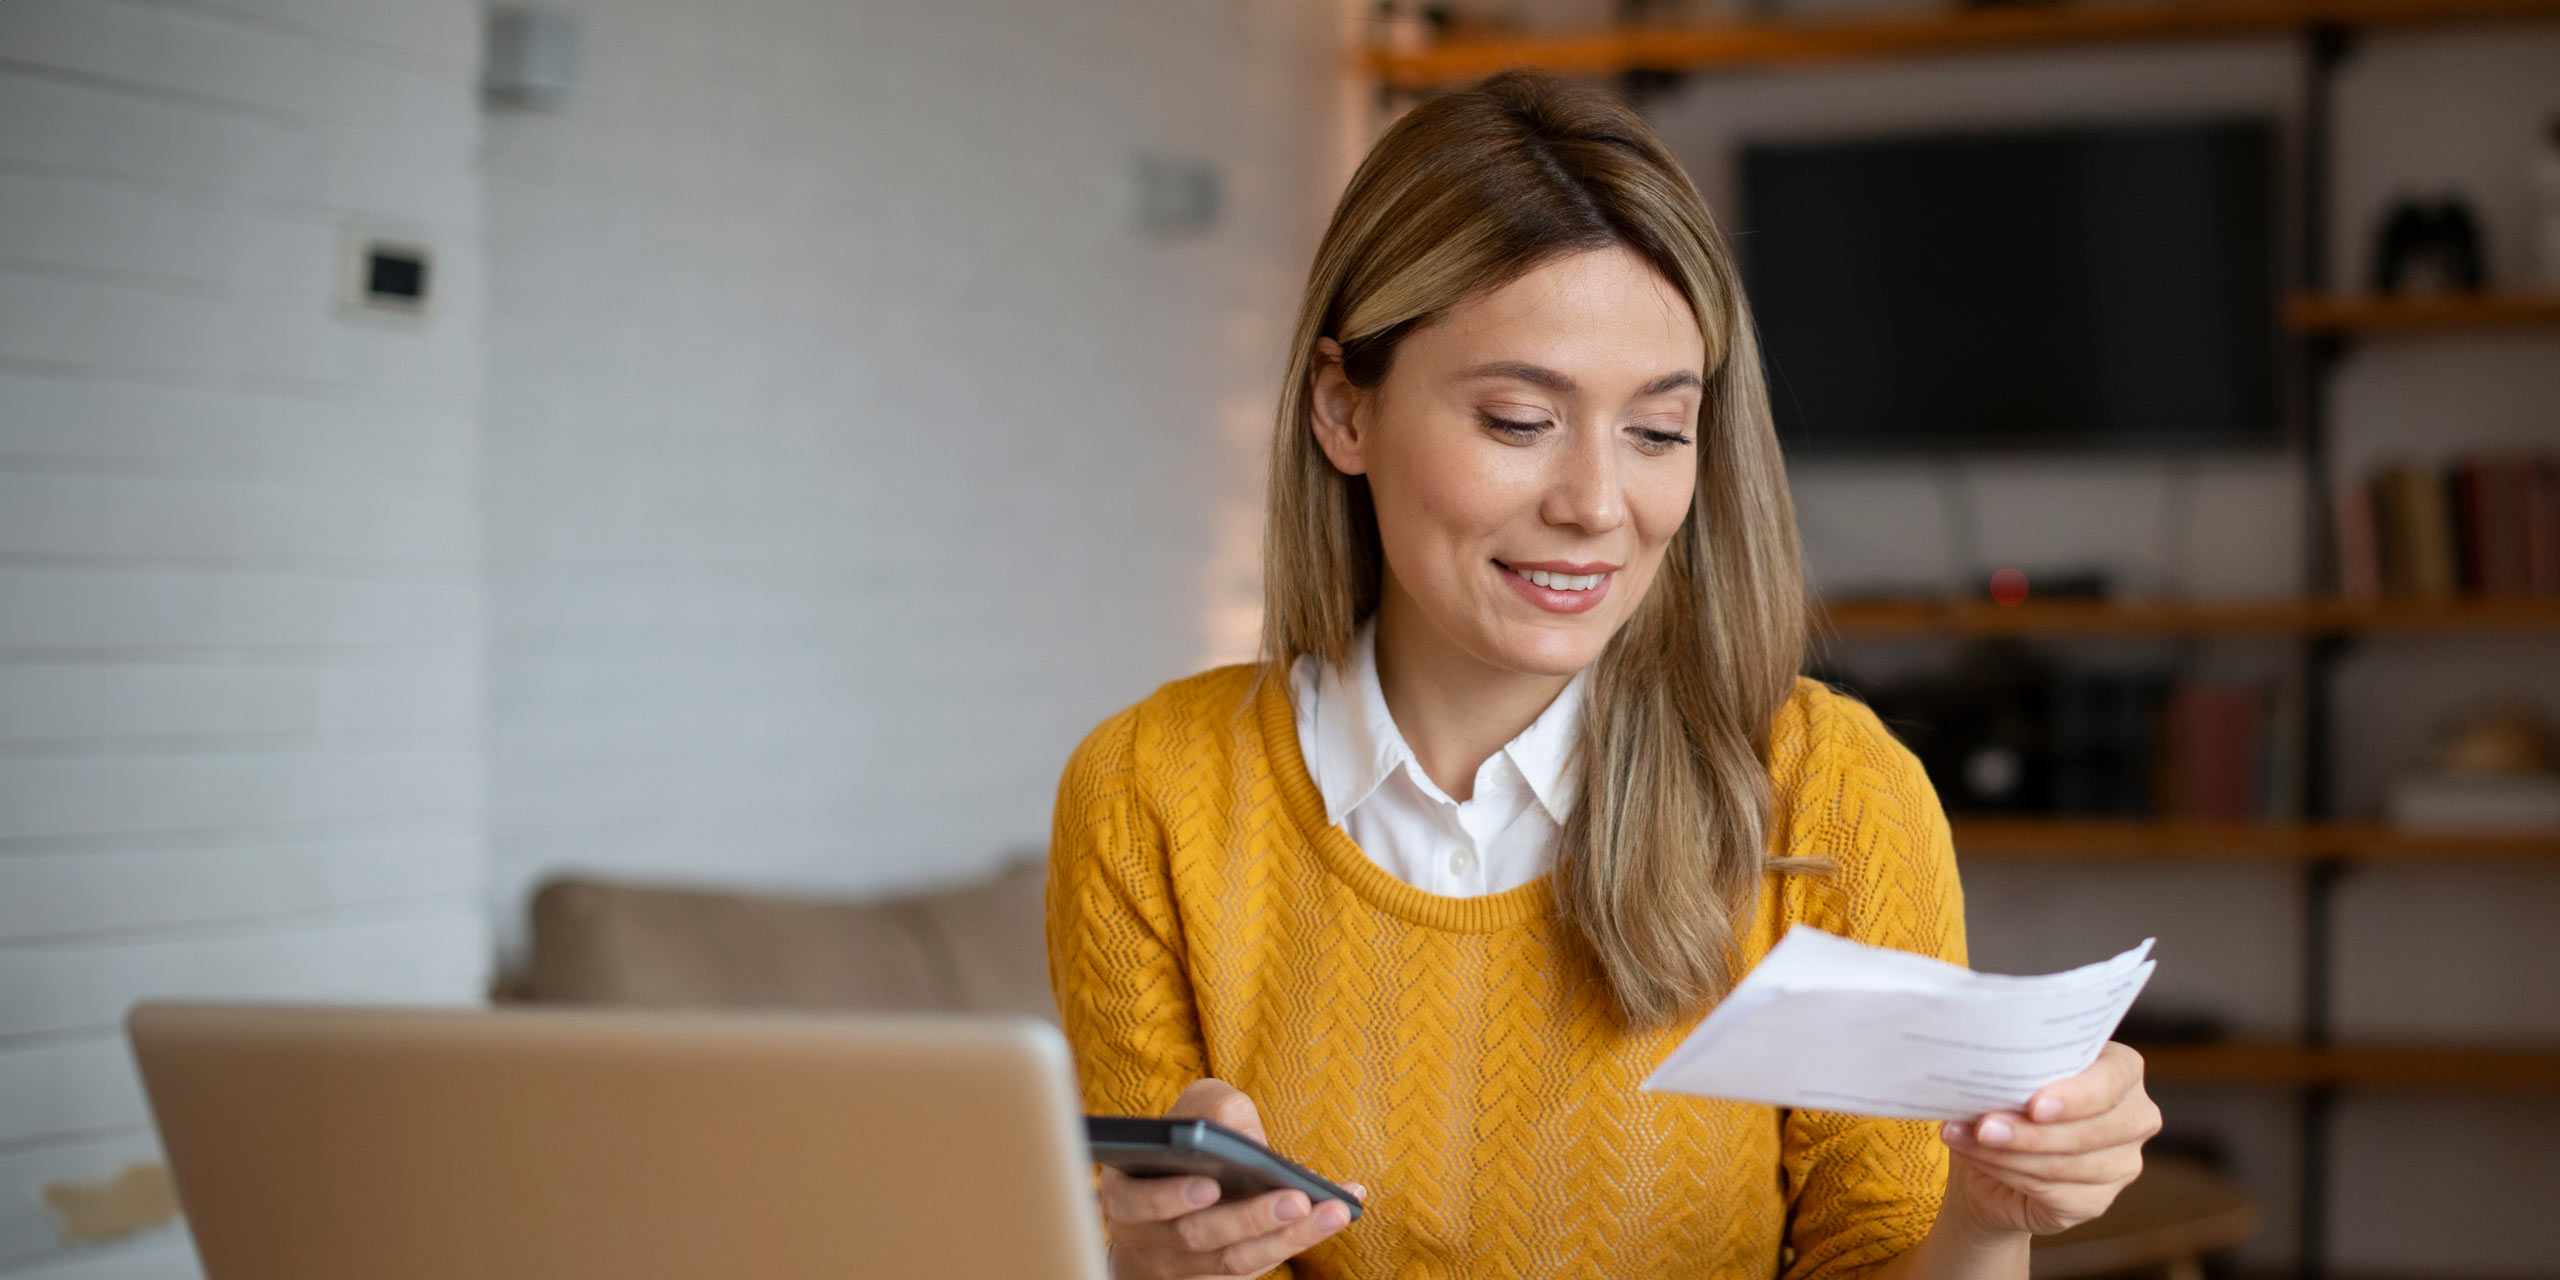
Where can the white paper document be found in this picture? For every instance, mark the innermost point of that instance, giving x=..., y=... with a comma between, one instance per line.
x=1826, y=1024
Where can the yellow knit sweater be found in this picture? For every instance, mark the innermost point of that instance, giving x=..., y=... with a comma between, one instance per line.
x=1454, y=1053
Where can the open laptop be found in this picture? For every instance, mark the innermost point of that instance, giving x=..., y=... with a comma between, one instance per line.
x=327, y=1142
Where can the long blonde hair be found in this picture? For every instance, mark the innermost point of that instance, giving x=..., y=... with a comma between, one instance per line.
x=1658, y=867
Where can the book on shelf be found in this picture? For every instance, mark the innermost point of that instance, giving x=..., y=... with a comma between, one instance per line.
x=2481, y=525
x=2218, y=738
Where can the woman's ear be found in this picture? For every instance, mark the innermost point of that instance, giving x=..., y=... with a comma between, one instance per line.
x=1335, y=406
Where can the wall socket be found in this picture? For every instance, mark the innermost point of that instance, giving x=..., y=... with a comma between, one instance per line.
x=385, y=276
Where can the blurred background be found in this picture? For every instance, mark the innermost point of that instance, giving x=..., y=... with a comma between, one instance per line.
x=717, y=460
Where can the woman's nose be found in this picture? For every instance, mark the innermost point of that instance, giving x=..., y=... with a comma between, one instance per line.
x=1583, y=490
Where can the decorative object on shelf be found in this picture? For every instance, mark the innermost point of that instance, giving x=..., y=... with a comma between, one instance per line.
x=1400, y=27
x=2498, y=769
x=1674, y=15
x=2482, y=525
x=2430, y=247
x=1414, y=26
x=2544, y=177
x=2009, y=587
x=1977, y=727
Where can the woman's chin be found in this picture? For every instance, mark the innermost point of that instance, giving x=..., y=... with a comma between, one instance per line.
x=1548, y=650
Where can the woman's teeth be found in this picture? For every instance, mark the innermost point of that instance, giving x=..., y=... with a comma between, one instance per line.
x=1560, y=581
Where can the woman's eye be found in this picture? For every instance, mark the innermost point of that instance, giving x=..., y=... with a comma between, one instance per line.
x=1656, y=440
x=1516, y=428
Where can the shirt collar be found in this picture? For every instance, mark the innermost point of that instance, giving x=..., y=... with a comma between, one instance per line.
x=1359, y=747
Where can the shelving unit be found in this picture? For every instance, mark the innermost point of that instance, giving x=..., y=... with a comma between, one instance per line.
x=2324, y=849
x=2203, y=840
x=2378, y=1066
x=2300, y=618
x=1737, y=45
x=2348, y=315
x=2325, y=322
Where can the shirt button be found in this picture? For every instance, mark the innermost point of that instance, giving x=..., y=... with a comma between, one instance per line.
x=1461, y=862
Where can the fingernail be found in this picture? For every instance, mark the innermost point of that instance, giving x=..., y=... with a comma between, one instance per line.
x=1333, y=1214
x=1358, y=1191
x=1291, y=1208
x=1201, y=1191
x=1951, y=1131
x=2047, y=1109
x=1993, y=1131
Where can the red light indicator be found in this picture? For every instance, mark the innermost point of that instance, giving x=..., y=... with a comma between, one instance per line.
x=2009, y=587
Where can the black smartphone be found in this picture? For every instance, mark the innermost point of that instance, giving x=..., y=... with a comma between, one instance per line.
x=1158, y=1147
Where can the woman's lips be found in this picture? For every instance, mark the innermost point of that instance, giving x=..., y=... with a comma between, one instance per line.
x=1555, y=599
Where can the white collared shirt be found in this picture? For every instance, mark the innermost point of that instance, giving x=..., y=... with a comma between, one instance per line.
x=1501, y=837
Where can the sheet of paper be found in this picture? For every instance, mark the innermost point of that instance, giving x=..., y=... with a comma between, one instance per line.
x=1826, y=1024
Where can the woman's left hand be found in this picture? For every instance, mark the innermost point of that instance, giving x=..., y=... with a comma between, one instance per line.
x=2061, y=1162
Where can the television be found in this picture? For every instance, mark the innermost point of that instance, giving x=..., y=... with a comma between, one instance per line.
x=2052, y=288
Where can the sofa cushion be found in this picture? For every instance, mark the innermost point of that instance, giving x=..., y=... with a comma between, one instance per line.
x=995, y=935
x=974, y=948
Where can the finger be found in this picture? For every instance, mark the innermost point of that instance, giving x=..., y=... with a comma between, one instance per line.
x=1253, y=1257
x=2131, y=1122
x=1212, y=1099
x=2112, y=1167
x=2055, y=1206
x=2099, y=1087
x=1212, y=1229
x=1128, y=1199
x=1358, y=1192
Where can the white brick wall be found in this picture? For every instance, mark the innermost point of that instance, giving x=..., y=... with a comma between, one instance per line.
x=240, y=604
x=851, y=454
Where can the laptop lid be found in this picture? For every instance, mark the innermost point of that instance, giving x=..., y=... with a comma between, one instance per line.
x=322, y=1142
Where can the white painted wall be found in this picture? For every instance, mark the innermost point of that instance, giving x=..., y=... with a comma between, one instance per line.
x=2443, y=1185
x=851, y=452
x=240, y=610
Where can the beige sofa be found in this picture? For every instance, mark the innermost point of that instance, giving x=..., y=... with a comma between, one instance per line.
x=978, y=948
x=971, y=948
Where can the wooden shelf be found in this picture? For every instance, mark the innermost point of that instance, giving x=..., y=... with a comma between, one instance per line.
x=2163, y=617
x=1769, y=43
x=2205, y=839
x=2448, y=314
x=2406, y=1066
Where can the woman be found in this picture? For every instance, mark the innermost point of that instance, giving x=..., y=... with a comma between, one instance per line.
x=1528, y=779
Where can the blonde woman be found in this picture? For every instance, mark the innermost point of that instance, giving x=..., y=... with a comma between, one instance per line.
x=1527, y=779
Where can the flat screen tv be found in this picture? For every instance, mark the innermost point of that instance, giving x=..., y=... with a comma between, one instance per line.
x=2060, y=288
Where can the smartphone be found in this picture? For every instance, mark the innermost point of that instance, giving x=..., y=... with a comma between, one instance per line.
x=1160, y=1147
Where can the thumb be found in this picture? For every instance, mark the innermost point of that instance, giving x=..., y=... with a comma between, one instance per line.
x=1213, y=1099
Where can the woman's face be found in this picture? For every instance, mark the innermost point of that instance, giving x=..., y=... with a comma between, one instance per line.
x=1531, y=453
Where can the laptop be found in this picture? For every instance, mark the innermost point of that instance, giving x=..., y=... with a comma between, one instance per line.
x=316, y=1142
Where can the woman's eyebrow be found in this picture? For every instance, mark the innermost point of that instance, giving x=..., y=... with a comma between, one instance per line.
x=1540, y=376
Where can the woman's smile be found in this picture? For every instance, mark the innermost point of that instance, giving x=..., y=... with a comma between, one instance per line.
x=1558, y=586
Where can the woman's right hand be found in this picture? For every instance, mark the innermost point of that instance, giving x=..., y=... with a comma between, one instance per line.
x=1163, y=1228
